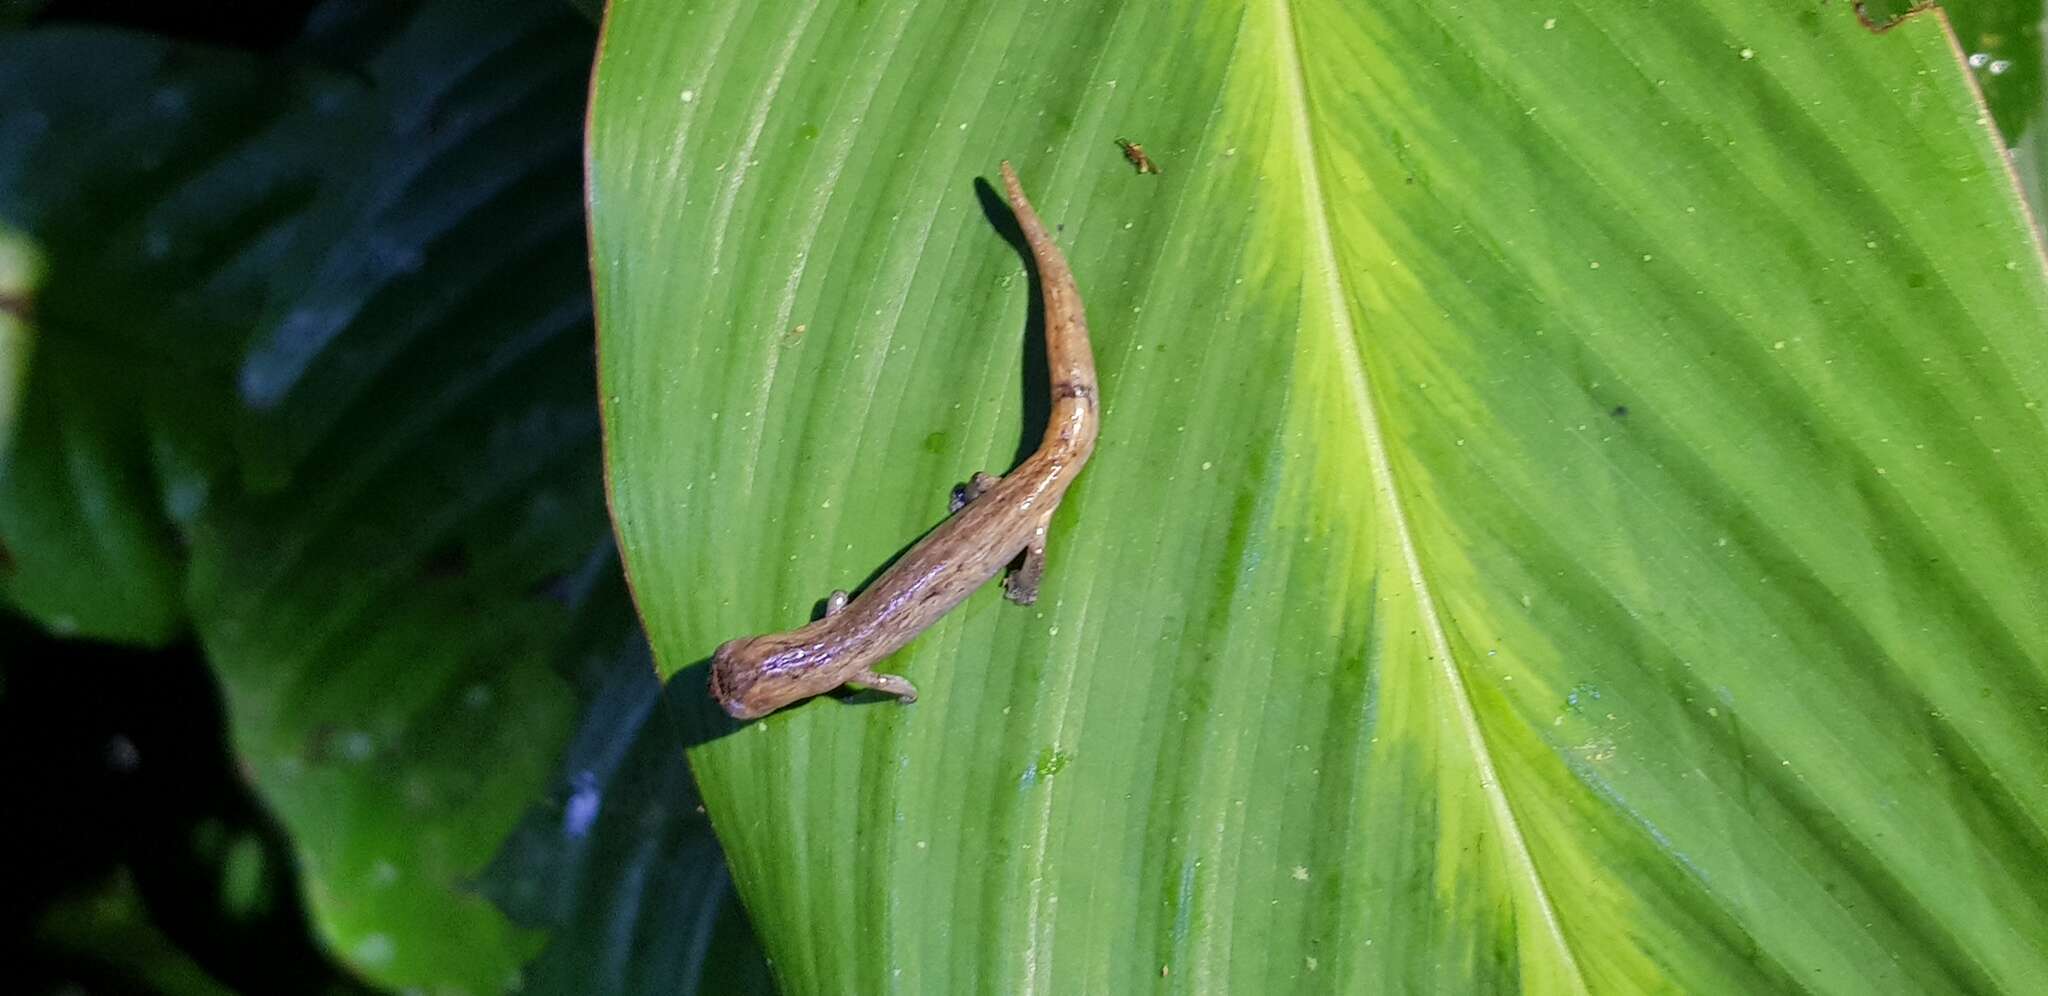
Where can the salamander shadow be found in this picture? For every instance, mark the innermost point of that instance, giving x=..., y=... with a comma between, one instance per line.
x=686, y=701
x=1037, y=378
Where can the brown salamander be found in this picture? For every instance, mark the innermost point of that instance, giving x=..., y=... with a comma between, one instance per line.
x=994, y=520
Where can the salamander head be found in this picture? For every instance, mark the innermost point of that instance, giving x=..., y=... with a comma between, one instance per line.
x=756, y=675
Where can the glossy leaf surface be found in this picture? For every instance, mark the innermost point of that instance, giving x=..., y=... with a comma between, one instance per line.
x=1569, y=512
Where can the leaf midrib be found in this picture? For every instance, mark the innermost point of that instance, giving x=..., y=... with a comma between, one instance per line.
x=1293, y=92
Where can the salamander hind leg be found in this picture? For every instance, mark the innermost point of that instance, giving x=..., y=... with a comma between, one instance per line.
x=975, y=487
x=1022, y=585
x=887, y=684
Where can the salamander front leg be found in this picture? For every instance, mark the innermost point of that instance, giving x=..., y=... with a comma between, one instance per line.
x=975, y=487
x=1022, y=584
x=887, y=684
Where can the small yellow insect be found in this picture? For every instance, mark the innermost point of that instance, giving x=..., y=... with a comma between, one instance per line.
x=1136, y=154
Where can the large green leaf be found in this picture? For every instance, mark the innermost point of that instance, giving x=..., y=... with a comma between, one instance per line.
x=383, y=604
x=227, y=163
x=162, y=184
x=1569, y=515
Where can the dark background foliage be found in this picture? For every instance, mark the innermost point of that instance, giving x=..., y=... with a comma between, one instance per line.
x=312, y=590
